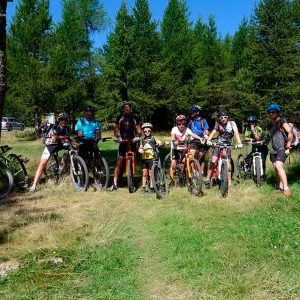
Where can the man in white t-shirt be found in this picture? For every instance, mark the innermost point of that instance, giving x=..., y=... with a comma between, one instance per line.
x=180, y=134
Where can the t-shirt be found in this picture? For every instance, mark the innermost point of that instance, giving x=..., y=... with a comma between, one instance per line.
x=148, y=144
x=198, y=126
x=181, y=137
x=226, y=132
x=127, y=125
x=278, y=136
x=249, y=134
x=88, y=127
x=58, y=130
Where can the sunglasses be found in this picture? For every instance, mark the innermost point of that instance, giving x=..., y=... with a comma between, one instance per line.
x=147, y=131
x=224, y=117
x=181, y=124
x=65, y=120
x=272, y=112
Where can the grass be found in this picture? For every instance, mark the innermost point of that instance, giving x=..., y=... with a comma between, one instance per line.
x=116, y=245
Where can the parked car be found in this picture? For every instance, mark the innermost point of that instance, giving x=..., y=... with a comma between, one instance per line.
x=10, y=123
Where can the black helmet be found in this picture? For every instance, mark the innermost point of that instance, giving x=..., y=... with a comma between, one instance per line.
x=252, y=119
x=126, y=103
x=88, y=108
x=62, y=116
x=222, y=112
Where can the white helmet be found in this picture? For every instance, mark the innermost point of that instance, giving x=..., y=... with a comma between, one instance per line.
x=147, y=125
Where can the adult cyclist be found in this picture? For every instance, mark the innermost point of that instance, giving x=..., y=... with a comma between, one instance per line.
x=199, y=126
x=127, y=128
x=89, y=131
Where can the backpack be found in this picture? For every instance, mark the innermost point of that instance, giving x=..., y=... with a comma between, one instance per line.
x=294, y=131
x=46, y=132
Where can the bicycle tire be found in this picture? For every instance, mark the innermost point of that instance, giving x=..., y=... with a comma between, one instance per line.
x=240, y=167
x=101, y=173
x=224, y=179
x=129, y=176
x=257, y=177
x=167, y=165
x=194, y=181
x=79, y=173
x=52, y=169
x=160, y=183
x=6, y=181
x=19, y=172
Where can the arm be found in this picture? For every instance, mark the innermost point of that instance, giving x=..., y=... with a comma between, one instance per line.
x=195, y=136
x=237, y=136
x=287, y=128
x=117, y=130
x=139, y=129
x=214, y=131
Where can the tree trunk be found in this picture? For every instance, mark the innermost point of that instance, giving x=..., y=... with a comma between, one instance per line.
x=3, y=5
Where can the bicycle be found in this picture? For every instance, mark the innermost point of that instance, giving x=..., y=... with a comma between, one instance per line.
x=6, y=181
x=16, y=166
x=220, y=174
x=187, y=171
x=251, y=165
x=57, y=166
x=159, y=179
x=129, y=162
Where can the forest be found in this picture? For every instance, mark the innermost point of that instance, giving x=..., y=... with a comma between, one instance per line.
x=161, y=67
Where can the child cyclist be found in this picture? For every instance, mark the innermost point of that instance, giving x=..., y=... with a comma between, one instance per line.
x=180, y=134
x=148, y=149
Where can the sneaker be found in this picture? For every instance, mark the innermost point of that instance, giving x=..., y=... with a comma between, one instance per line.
x=143, y=190
x=151, y=190
x=79, y=186
x=207, y=184
x=279, y=191
x=287, y=193
x=32, y=189
x=114, y=187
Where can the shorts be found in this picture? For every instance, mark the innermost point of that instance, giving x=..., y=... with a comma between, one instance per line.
x=147, y=163
x=177, y=154
x=217, y=150
x=85, y=151
x=279, y=156
x=200, y=148
x=123, y=149
x=49, y=150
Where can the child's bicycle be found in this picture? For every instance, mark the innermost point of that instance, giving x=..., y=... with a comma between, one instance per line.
x=187, y=171
x=70, y=160
x=223, y=165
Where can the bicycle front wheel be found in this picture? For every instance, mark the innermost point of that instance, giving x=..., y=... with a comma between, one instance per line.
x=129, y=169
x=18, y=171
x=100, y=173
x=79, y=173
x=6, y=181
x=160, y=183
x=194, y=177
x=224, y=179
x=257, y=177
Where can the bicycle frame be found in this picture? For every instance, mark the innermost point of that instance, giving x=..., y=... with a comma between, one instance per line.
x=130, y=154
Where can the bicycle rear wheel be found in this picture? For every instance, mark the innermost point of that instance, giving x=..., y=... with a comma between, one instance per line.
x=52, y=169
x=194, y=177
x=257, y=177
x=100, y=173
x=224, y=179
x=160, y=183
x=129, y=169
x=18, y=171
x=6, y=181
x=240, y=167
x=79, y=173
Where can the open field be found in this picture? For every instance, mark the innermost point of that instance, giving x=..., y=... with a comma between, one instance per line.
x=65, y=244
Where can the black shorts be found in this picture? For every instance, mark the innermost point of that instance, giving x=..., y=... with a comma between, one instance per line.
x=177, y=154
x=217, y=152
x=123, y=148
x=85, y=151
x=147, y=163
x=279, y=156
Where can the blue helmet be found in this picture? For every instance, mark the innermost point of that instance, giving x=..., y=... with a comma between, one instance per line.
x=252, y=118
x=273, y=106
x=196, y=108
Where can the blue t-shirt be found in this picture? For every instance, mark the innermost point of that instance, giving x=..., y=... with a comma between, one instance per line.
x=88, y=128
x=198, y=126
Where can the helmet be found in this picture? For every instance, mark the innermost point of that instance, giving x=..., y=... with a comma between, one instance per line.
x=273, y=106
x=196, y=108
x=222, y=112
x=126, y=103
x=147, y=125
x=88, y=108
x=62, y=115
x=180, y=118
x=252, y=118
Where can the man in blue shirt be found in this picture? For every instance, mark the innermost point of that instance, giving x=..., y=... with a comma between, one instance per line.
x=88, y=127
x=199, y=126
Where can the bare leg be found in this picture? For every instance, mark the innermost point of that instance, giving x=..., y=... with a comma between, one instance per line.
x=39, y=172
x=145, y=176
x=117, y=169
x=212, y=166
x=281, y=175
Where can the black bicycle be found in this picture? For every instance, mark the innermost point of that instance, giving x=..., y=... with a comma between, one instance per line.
x=6, y=181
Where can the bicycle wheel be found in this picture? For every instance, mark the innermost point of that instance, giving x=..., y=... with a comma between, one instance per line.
x=100, y=173
x=167, y=165
x=79, y=173
x=131, y=187
x=224, y=179
x=257, y=177
x=240, y=168
x=160, y=183
x=18, y=171
x=52, y=169
x=194, y=179
x=6, y=181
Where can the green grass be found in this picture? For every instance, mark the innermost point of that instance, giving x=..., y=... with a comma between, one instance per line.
x=104, y=245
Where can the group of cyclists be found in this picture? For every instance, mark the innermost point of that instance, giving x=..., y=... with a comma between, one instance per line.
x=195, y=129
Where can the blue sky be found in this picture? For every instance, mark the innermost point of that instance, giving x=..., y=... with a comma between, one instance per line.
x=228, y=13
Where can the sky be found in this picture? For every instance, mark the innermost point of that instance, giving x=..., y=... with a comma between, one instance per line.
x=228, y=13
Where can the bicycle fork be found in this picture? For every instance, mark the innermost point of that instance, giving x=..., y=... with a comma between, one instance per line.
x=255, y=155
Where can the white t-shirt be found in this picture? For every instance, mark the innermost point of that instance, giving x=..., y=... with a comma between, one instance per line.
x=181, y=137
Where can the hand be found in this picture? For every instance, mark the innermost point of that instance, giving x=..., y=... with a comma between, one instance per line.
x=136, y=139
x=209, y=143
x=239, y=146
x=141, y=150
x=120, y=139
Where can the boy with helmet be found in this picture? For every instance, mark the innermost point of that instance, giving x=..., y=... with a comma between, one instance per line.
x=254, y=132
x=88, y=127
x=53, y=143
x=148, y=151
x=127, y=126
x=199, y=126
x=226, y=130
x=180, y=134
x=281, y=137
